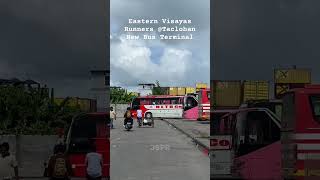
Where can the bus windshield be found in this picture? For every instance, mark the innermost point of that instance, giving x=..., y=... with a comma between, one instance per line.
x=315, y=103
x=135, y=103
x=83, y=131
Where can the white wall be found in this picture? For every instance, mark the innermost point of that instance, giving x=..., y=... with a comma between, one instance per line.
x=120, y=109
x=31, y=152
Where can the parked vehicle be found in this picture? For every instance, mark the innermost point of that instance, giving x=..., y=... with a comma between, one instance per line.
x=163, y=106
x=247, y=146
x=204, y=104
x=275, y=105
x=215, y=119
x=300, y=134
x=87, y=129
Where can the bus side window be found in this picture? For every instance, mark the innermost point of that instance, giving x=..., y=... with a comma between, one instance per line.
x=174, y=101
x=315, y=103
x=144, y=102
x=166, y=101
x=158, y=101
x=239, y=133
x=260, y=131
x=153, y=102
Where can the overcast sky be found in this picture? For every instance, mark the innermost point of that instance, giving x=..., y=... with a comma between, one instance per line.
x=253, y=37
x=173, y=63
x=54, y=42
x=58, y=42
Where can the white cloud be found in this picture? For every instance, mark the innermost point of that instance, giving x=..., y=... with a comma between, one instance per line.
x=133, y=59
x=180, y=63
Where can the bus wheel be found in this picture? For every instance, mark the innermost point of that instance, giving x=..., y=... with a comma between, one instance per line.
x=148, y=115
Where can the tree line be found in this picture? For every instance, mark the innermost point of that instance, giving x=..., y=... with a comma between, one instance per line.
x=32, y=111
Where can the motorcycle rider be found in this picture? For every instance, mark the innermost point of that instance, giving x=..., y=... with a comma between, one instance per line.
x=127, y=117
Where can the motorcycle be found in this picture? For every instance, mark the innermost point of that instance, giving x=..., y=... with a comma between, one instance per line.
x=128, y=126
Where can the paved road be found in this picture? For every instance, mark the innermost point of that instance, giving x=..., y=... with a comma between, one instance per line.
x=133, y=156
x=198, y=130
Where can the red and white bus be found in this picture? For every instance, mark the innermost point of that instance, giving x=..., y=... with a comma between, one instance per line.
x=158, y=106
x=191, y=106
x=252, y=143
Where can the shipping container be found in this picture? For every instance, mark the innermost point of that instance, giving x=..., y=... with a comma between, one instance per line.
x=281, y=89
x=292, y=76
x=160, y=91
x=226, y=93
x=173, y=91
x=135, y=94
x=86, y=105
x=181, y=91
x=190, y=90
x=165, y=90
x=255, y=90
x=201, y=85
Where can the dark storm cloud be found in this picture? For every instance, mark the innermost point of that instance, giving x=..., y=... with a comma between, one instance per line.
x=254, y=37
x=54, y=42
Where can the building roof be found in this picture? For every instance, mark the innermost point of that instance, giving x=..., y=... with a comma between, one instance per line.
x=29, y=81
x=16, y=80
x=147, y=84
x=99, y=72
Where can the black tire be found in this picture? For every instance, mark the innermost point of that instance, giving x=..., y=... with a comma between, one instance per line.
x=148, y=115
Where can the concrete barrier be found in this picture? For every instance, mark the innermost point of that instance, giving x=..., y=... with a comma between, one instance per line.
x=120, y=109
